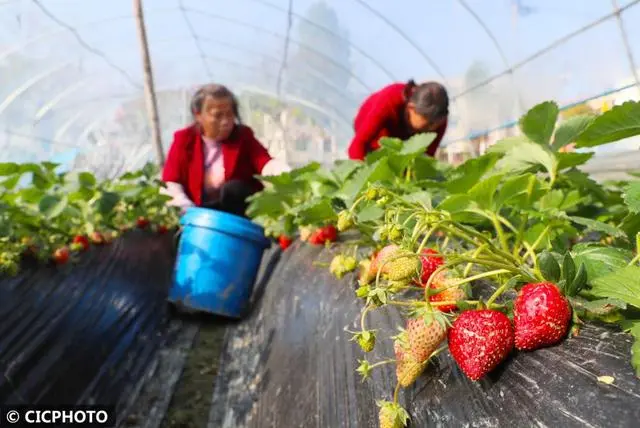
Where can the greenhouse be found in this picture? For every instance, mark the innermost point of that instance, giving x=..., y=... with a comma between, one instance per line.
x=320, y=213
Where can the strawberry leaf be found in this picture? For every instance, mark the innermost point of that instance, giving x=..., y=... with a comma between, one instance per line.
x=569, y=130
x=600, y=260
x=371, y=212
x=632, y=196
x=539, y=122
x=620, y=122
x=598, y=226
x=622, y=284
x=549, y=267
x=521, y=154
x=466, y=175
x=52, y=206
x=417, y=144
x=483, y=192
x=379, y=171
x=9, y=168
x=597, y=307
x=570, y=160
x=633, y=327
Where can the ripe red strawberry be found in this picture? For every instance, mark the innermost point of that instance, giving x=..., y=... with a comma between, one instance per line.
x=284, y=241
x=61, y=255
x=424, y=336
x=443, y=281
x=323, y=235
x=142, y=222
x=430, y=262
x=479, y=340
x=162, y=229
x=541, y=316
x=81, y=241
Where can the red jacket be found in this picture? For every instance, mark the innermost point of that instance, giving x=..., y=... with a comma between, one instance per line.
x=243, y=157
x=382, y=115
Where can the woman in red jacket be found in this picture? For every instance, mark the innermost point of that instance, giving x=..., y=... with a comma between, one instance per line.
x=212, y=163
x=400, y=110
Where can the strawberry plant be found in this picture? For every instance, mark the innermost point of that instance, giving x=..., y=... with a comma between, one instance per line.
x=513, y=249
x=51, y=215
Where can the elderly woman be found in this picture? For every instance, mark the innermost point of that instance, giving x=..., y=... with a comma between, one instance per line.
x=212, y=162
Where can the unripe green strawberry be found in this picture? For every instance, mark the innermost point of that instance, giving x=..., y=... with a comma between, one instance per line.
x=408, y=369
x=345, y=221
x=366, y=340
x=395, y=263
x=392, y=415
x=341, y=265
x=372, y=194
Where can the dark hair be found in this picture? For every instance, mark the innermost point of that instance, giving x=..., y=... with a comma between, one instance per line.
x=217, y=92
x=430, y=99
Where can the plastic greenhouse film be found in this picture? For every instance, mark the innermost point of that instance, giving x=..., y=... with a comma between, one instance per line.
x=291, y=364
x=86, y=336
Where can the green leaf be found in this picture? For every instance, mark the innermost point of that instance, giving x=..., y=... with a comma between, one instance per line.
x=539, y=122
x=418, y=144
x=568, y=270
x=631, y=226
x=620, y=122
x=570, y=130
x=520, y=154
x=600, y=260
x=623, y=284
x=597, y=307
x=466, y=175
x=456, y=203
x=633, y=327
x=31, y=195
x=379, y=171
x=11, y=182
x=579, y=281
x=632, y=196
x=570, y=160
x=107, y=202
x=425, y=168
x=87, y=179
x=345, y=168
x=511, y=188
x=371, y=212
x=549, y=267
x=265, y=204
x=392, y=145
x=598, y=226
x=483, y=192
x=422, y=197
x=52, y=206
x=317, y=212
x=9, y=168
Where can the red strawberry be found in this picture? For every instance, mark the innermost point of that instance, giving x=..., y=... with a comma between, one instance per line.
x=479, y=340
x=284, y=242
x=142, y=222
x=81, y=241
x=430, y=262
x=443, y=281
x=61, y=255
x=541, y=316
x=424, y=336
x=162, y=229
x=324, y=235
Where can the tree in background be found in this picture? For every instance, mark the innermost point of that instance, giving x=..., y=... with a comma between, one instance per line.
x=321, y=33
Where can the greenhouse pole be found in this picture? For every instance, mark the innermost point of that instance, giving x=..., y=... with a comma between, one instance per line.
x=149, y=91
x=625, y=40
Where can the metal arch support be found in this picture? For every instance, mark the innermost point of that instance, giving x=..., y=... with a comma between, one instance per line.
x=280, y=36
x=28, y=85
x=402, y=34
x=497, y=45
x=56, y=99
x=17, y=48
x=625, y=41
x=65, y=126
x=348, y=42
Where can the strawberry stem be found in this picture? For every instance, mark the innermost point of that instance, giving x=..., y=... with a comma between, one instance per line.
x=500, y=232
x=381, y=363
x=497, y=293
x=363, y=316
x=395, y=393
x=475, y=254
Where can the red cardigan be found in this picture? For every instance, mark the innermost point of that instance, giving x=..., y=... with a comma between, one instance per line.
x=243, y=157
x=382, y=115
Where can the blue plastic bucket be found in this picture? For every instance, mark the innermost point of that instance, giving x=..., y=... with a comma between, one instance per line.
x=219, y=255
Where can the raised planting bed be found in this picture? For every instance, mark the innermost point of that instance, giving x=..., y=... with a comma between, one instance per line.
x=86, y=333
x=292, y=364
